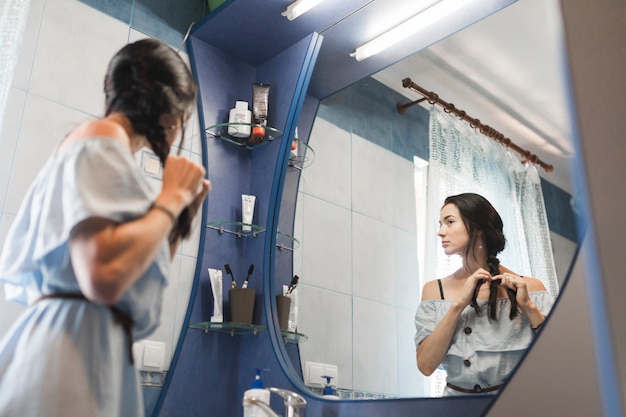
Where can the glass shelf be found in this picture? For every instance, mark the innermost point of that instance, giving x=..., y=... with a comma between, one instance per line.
x=220, y=130
x=286, y=242
x=293, y=337
x=231, y=328
x=305, y=157
x=236, y=228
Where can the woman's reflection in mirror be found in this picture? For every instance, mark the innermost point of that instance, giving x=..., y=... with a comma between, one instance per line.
x=476, y=323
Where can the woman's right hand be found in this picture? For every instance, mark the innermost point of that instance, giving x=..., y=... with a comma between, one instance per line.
x=467, y=294
x=183, y=182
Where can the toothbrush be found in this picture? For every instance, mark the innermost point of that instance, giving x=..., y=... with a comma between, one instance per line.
x=293, y=284
x=245, y=283
x=230, y=272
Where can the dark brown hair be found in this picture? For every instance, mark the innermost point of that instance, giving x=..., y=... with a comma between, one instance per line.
x=145, y=80
x=483, y=223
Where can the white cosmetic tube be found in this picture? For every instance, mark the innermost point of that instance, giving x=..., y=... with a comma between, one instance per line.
x=247, y=211
x=292, y=325
x=216, y=285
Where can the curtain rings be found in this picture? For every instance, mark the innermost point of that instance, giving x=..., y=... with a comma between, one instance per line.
x=432, y=98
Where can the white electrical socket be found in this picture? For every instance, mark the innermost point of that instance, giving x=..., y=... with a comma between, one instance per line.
x=313, y=373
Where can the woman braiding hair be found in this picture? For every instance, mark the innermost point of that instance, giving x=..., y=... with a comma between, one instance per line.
x=477, y=351
x=484, y=225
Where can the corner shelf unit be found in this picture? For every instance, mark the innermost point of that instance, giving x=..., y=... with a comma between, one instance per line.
x=231, y=328
x=220, y=130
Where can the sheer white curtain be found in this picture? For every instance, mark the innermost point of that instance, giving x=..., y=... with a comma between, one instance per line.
x=13, y=16
x=463, y=160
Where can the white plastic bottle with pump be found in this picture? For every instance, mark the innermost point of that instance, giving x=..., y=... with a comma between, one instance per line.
x=239, y=114
x=259, y=392
x=329, y=391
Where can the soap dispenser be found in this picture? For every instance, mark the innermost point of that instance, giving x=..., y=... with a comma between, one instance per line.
x=329, y=392
x=258, y=391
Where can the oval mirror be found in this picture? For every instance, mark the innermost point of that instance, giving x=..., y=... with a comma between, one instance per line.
x=362, y=192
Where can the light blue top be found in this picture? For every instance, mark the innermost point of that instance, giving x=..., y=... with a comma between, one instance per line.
x=489, y=350
x=68, y=357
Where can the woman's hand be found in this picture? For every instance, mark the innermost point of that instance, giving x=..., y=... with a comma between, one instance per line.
x=183, y=184
x=467, y=294
x=517, y=284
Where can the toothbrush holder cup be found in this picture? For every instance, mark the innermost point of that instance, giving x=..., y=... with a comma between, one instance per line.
x=241, y=302
x=283, y=303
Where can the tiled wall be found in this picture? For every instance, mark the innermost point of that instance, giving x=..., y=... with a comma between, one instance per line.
x=356, y=220
x=58, y=84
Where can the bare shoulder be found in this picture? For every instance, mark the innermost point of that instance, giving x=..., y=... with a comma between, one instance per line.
x=533, y=284
x=431, y=291
x=96, y=128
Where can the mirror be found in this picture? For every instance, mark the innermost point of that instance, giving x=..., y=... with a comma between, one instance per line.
x=356, y=311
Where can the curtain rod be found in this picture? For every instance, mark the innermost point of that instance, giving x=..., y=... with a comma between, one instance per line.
x=486, y=130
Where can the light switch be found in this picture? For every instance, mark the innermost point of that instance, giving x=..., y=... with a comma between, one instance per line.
x=313, y=373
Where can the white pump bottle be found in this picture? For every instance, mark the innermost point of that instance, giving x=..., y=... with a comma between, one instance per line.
x=259, y=392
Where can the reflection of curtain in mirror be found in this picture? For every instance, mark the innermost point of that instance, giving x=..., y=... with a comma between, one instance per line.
x=13, y=15
x=463, y=160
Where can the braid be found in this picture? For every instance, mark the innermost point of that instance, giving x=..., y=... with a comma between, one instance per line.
x=145, y=80
x=494, y=269
x=484, y=225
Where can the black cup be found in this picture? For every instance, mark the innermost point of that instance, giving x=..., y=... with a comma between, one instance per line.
x=241, y=302
x=282, y=305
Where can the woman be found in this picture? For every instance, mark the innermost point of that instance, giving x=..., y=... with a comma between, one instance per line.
x=477, y=322
x=91, y=246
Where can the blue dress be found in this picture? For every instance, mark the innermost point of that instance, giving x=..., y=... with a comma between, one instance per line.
x=67, y=357
x=482, y=351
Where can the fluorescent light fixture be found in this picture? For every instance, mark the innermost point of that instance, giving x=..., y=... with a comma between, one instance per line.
x=418, y=22
x=299, y=7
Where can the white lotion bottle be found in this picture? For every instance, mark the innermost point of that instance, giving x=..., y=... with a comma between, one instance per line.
x=247, y=212
x=329, y=391
x=260, y=393
x=239, y=114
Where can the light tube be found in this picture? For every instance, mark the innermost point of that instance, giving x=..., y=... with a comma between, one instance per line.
x=299, y=7
x=418, y=22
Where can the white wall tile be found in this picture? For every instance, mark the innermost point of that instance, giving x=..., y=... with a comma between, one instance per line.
x=410, y=380
x=373, y=266
x=21, y=76
x=327, y=243
x=164, y=332
x=372, y=180
x=72, y=54
x=375, y=336
x=45, y=124
x=8, y=138
x=332, y=160
x=328, y=324
x=406, y=269
x=404, y=207
x=185, y=282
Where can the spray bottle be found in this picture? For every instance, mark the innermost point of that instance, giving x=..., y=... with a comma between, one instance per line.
x=258, y=391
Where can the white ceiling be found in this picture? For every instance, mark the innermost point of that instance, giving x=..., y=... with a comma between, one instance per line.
x=506, y=71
